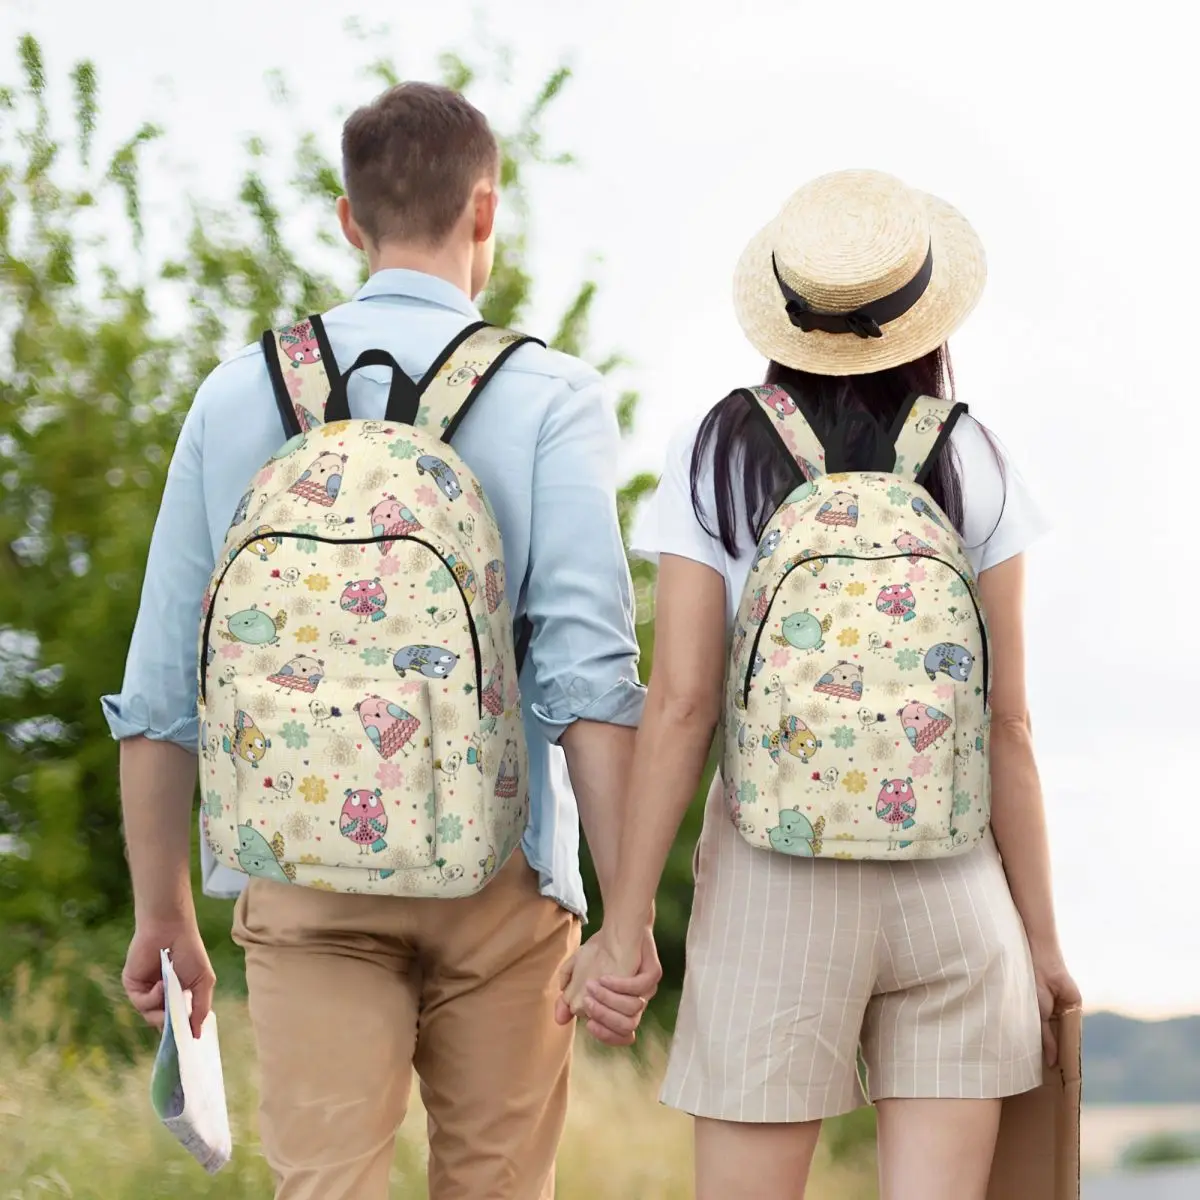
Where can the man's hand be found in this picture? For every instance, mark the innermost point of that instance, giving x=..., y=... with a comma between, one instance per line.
x=610, y=988
x=142, y=977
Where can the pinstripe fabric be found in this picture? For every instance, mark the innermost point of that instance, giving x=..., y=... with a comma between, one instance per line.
x=793, y=963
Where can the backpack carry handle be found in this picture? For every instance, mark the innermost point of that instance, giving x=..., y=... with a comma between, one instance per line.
x=404, y=397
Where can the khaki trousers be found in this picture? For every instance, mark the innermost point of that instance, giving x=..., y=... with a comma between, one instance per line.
x=350, y=993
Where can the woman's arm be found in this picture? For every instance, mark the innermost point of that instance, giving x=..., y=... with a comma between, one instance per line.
x=683, y=705
x=1018, y=814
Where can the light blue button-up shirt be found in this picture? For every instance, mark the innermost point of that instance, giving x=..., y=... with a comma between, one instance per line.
x=542, y=440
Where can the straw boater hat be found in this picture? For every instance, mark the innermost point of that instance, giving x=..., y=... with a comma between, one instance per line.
x=858, y=272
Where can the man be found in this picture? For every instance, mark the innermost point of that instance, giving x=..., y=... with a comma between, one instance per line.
x=349, y=992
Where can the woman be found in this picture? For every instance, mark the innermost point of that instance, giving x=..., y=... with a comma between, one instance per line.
x=936, y=967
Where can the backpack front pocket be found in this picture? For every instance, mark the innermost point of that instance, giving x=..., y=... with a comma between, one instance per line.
x=331, y=778
x=846, y=780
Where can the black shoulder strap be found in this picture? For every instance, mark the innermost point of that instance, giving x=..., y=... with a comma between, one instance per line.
x=303, y=371
x=920, y=432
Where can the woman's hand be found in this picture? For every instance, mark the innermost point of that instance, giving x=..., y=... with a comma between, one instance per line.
x=610, y=986
x=1056, y=992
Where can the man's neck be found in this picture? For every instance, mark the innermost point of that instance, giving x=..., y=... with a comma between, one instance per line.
x=450, y=263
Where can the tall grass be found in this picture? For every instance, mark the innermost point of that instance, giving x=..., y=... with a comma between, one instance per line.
x=77, y=1123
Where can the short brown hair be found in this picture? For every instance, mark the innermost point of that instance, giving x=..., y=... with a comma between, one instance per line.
x=410, y=159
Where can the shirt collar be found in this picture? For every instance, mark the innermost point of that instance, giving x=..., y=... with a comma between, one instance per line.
x=396, y=281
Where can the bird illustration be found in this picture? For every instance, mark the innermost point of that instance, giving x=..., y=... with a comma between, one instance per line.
x=898, y=602
x=302, y=673
x=320, y=712
x=390, y=520
x=259, y=857
x=868, y=718
x=492, y=696
x=248, y=742
x=803, y=631
x=923, y=510
x=493, y=584
x=508, y=777
x=767, y=547
x=363, y=820
x=321, y=481
x=840, y=509
x=282, y=783
x=450, y=764
x=923, y=724
x=897, y=805
x=366, y=599
x=388, y=726
x=844, y=680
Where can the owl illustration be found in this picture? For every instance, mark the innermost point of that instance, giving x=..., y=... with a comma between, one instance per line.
x=321, y=481
x=923, y=724
x=794, y=736
x=493, y=584
x=508, y=777
x=492, y=696
x=300, y=345
x=366, y=599
x=767, y=547
x=266, y=542
x=923, y=510
x=242, y=509
x=897, y=602
x=463, y=575
x=248, y=743
x=759, y=604
x=390, y=519
x=897, y=804
x=302, y=673
x=363, y=820
x=909, y=543
x=844, y=680
x=388, y=726
x=840, y=509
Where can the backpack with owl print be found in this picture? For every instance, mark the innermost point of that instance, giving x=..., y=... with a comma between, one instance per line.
x=360, y=718
x=856, y=709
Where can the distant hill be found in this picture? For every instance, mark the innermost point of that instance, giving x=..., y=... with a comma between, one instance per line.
x=1140, y=1062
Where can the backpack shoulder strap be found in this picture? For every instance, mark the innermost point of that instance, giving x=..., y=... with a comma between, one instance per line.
x=921, y=430
x=302, y=370
x=463, y=370
x=782, y=415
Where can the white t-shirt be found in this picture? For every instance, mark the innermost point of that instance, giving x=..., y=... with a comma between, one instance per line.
x=1000, y=517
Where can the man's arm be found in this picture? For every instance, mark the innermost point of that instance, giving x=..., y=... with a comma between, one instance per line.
x=155, y=718
x=579, y=599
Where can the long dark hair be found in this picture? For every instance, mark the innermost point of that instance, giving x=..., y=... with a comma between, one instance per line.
x=741, y=446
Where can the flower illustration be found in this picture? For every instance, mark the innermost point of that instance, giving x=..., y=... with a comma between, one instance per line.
x=307, y=633
x=317, y=583
x=313, y=789
x=957, y=587
x=213, y=806
x=473, y=502
x=264, y=476
x=962, y=803
x=295, y=736
x=305, y=544
x=855, y=589
x=388, y=565
x=780, y=657
x=430, y=805
x=374, y=656
x=449, y=828
x=916, y=573
x=854, y=782
x=440, y=581
x=390, y=775
x=409, y=689
x=920, y=765
x=944, y=691
x=231, y=650
x=787, y=518
x=907, y=660
x=426, y=495
x=897, y=495
x=402, y=448
x=898, y=467
x=848, y=637
x=294, y=384
x=843, y=737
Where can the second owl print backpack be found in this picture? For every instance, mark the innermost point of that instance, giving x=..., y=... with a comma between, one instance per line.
x=360, y=719
x=856, y=711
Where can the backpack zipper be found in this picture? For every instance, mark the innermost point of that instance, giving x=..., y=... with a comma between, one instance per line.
x=363, y=541
x=864, y=558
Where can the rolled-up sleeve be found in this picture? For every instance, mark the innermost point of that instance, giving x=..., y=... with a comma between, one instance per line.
x=579, y=595
x=158, y=694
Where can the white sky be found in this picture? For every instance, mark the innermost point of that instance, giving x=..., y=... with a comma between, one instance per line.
x=1066, y=136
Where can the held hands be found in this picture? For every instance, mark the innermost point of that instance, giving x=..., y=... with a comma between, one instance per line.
x=142, y=977
x=609, y=986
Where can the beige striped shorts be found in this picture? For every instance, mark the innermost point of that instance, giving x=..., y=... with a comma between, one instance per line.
x=796, y=965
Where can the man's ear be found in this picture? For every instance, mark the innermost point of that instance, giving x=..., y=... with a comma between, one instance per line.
x=486, y=200
x=350, y=229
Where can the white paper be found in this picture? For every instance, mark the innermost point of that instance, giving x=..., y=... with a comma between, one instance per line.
x=187, y=1088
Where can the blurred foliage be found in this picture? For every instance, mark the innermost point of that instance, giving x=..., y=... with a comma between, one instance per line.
x=94, y=382
x=1162, y=1149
